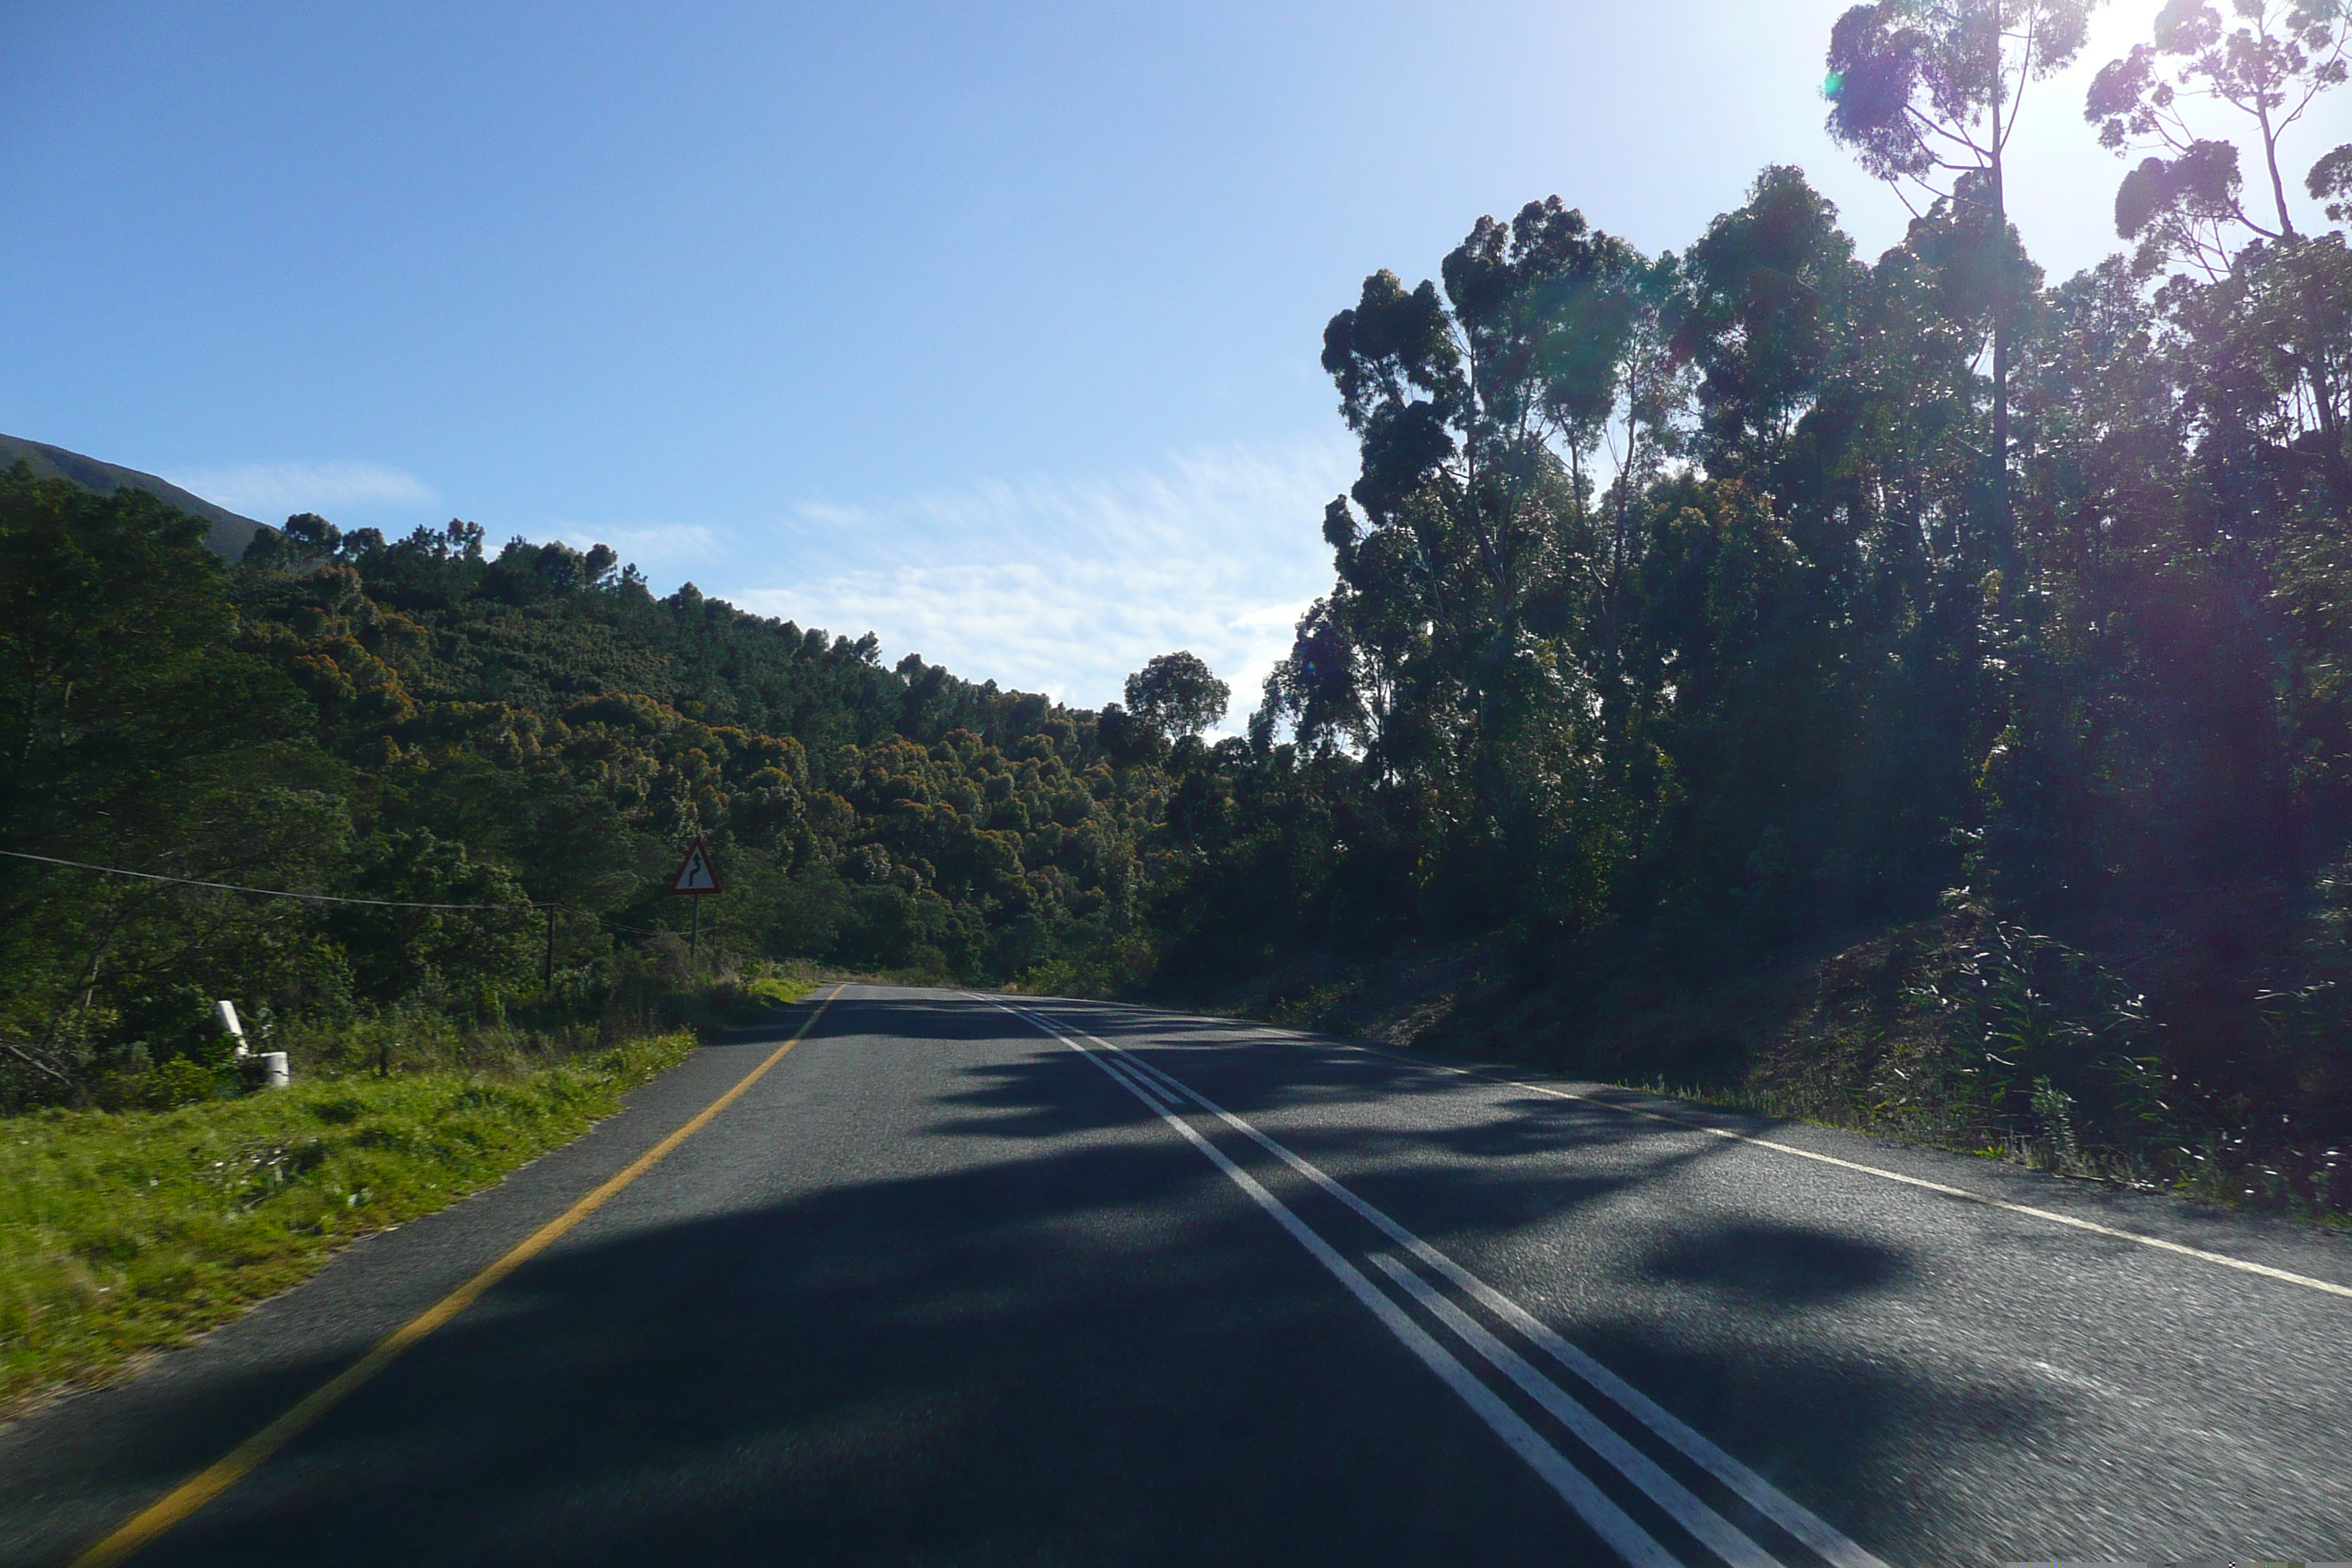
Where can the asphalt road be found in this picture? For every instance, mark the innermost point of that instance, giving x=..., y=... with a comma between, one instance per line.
x=979, y=1280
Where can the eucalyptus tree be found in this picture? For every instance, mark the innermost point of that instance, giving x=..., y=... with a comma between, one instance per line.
x=143, y=731
x=1925, y=94
x=1472, y=559
x=2264, y=72
x=2266, y=337
x=1765, y=293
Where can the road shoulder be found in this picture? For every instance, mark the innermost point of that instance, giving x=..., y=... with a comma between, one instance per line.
x=80, y=1462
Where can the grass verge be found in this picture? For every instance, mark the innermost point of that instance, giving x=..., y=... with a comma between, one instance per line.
x=122, y=1233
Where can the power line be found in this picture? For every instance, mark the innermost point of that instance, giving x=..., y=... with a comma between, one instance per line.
x=633, y=930
x=321, y=898
x=257, y=892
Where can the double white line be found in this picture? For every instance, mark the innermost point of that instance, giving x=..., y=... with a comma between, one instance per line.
x=1166, y=1097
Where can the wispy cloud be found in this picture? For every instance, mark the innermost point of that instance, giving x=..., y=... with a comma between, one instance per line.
x=666, y=550
x=271, y=489
x=1066, y=587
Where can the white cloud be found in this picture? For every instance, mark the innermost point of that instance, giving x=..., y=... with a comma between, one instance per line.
x=1066, y=586
x=1280, y=617
x=663, y=548
x=270, y=490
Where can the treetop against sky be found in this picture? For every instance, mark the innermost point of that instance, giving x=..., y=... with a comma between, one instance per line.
x=992, y=329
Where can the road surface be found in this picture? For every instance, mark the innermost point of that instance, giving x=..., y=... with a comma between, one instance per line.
x=973, y=1280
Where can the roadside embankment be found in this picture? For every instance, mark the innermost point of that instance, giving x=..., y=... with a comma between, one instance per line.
x=2203, y=1050
x=128, y=1231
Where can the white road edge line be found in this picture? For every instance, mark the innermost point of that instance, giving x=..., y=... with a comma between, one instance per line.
x=1629, y=1540
x=2093, y=1226
x=1766, y=1499
x=1711, y=1528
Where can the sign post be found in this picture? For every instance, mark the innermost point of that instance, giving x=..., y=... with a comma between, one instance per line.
x=697, y=878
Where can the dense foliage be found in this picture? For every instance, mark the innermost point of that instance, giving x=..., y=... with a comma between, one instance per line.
x=1725, y=597
x=421, y=723
x=1685, y=604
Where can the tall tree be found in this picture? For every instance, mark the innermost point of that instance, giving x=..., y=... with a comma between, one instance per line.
x=1178, y=694
x=1924, y=93
x=1473, y=563
x=2266, y=71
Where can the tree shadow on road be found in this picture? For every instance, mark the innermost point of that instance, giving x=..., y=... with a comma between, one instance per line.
x=1778, y=1264
x=1094, y=1350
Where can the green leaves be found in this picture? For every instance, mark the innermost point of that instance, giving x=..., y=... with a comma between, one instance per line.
x=2257, y=74
x=139, y=733
x=1918, y=88
x=1392, y=346
x=469, y=956
x=1176, y=694
x=1763, y=314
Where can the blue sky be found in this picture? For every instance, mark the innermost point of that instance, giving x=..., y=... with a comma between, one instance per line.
x=991, y=328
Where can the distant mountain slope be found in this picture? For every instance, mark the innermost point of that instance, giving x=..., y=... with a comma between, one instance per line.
x=229, y=535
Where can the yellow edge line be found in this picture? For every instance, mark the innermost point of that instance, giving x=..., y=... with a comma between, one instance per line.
x=250, y=1455
x=2265, y=1270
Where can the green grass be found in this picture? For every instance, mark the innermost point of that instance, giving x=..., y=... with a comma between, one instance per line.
x=122, y=1233
x=776, y=990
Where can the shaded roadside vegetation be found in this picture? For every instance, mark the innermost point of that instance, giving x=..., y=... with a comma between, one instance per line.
x=1969, y=648
x=1916, y=1029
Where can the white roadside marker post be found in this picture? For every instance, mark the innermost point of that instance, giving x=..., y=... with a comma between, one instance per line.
x=225, y=1012
x=269, y=1067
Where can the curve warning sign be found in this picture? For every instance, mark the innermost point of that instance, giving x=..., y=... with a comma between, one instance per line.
x=695, y=875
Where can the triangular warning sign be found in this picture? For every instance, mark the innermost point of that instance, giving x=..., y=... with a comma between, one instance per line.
x=695, y=874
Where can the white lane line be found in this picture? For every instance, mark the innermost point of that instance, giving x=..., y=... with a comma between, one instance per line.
x=1609, y=1522
x=1687, y=1511
x=1150, y=1093
x=1760, y=1494
x=2158, y=1242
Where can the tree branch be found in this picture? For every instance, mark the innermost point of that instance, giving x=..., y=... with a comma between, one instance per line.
x=25, y=1054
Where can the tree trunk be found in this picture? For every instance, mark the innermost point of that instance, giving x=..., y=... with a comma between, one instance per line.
x=2269, y=156
x=2004, y=532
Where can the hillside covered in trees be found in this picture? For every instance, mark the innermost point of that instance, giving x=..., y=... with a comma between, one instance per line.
x=1989, y=634
x=421, y=723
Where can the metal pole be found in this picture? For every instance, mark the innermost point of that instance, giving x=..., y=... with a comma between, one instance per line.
x=694, y=941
